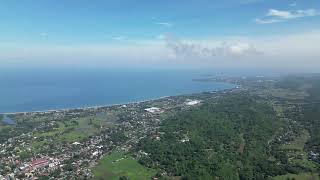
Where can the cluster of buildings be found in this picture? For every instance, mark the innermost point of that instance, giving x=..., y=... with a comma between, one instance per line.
x=19, y=159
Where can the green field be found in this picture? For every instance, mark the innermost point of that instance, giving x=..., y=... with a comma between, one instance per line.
x=117, y=164
x=304, y=176
x=69, y=131
x=81, y=130
x=299, y=142
x=288, y=94
x=76, y=130
x=296, y=153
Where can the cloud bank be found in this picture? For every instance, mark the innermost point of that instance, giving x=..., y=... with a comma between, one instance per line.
x=225, y=49
x=275, y=16
x=295, y=51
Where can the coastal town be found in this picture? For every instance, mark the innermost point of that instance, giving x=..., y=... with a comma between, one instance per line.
x=67, y=144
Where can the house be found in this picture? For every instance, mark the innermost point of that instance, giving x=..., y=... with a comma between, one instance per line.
x=39, y=163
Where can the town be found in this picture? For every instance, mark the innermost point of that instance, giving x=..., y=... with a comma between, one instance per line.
x=68, y=143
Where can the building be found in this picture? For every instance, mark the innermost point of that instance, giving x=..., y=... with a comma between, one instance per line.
x=192, y=102
x=39, y=163
x=154, y=110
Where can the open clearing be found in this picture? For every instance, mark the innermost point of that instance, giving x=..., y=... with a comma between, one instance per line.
x=305, y=176
x=118, y=164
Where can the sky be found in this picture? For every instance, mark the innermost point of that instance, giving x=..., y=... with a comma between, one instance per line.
x=275, y=34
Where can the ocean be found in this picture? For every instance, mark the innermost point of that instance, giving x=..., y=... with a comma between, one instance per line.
x=45, y=89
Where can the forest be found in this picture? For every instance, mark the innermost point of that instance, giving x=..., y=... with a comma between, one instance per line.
x=250, y=135
x=228, y=138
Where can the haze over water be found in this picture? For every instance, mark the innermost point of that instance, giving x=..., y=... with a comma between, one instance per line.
x=39, y=90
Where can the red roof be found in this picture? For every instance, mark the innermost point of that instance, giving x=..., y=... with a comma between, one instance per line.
x=39, y=162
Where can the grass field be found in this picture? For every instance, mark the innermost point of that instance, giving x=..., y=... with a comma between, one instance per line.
x=73, y=130
x=305, y=176
x=117, y=164
x=82, y=130
x=299, y=156
x=4, y=127
x=296, y=152
x=288, y=94
x=50, y=133
x=88, y=126
x=299, y=142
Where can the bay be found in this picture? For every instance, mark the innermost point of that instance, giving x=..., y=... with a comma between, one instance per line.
x=43, y=89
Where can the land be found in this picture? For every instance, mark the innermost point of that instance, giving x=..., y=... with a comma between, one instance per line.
x=119, y=164
x=265, y=128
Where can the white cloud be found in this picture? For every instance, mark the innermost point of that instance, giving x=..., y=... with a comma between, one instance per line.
x=290, y=51
x=296, y=51
x=196, y=50
x=124, y=54
x=280, y=14
x=267, y=21
x=165, y=24
x=274, y=16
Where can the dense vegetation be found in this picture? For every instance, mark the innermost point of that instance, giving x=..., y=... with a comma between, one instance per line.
x=310, y=119
x=228, y=138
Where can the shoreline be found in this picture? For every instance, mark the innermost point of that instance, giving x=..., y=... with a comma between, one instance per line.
x=110, y=105
x=86, y=107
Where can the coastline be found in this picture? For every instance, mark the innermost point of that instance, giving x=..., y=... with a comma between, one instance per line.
x=110, y=105
x=86, y=107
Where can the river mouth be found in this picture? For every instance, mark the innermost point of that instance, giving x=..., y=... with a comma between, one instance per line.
x=8, y=121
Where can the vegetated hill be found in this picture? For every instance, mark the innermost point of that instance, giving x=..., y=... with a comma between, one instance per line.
x=308, y=112
x=309, y=83
x=225, y=139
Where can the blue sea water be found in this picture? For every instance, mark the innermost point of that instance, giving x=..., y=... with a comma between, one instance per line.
x=42, y=89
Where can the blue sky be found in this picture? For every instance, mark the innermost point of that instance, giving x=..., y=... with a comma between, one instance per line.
x=77, y=31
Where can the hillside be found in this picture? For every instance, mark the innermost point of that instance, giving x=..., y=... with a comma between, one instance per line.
x=228, y=138
x=270, y=131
